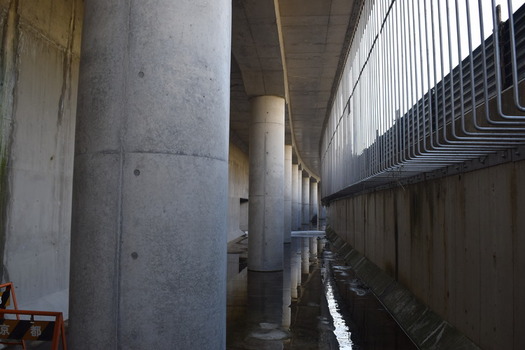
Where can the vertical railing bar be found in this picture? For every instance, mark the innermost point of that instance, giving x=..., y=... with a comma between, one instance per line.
x=495, y=35
x=473, y=97
x=380, y=130
x=421, y=114
x=514, y=62
x=410, y=91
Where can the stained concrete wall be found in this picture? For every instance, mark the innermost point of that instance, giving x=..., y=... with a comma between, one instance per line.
x=456, y=243
x=40, y=59
x=238, y=182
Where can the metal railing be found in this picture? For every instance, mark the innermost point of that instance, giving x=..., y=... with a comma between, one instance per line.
x=427, y=84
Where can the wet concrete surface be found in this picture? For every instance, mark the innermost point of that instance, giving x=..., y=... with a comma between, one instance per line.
x=316, y=302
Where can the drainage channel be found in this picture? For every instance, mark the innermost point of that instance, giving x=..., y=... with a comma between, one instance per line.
x=360, y=320
x=316, y=302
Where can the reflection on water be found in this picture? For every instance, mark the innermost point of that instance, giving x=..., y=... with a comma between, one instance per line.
x=341, y=331
x=309, y=305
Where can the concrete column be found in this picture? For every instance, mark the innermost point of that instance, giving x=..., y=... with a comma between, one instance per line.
x=287, y=193
x=266, y=219
x=295, y=196
x=150, y=188
x=305, y=224
x=313, y=204
x=299, y=198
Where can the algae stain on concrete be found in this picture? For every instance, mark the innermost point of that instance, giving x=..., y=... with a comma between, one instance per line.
x=3, y=209
x=65, y=93
x=8, y=76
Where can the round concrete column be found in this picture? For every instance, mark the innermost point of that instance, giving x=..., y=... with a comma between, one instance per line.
x=266, y=211
x=287, y=194
x=148, y=245
x=306, y=203
x=299, y=199
x=313, y=204
x=295, y=197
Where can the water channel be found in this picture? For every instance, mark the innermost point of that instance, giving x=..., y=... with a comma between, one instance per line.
x=316, y=302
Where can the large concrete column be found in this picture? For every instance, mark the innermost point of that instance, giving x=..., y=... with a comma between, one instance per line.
x=305, y=203
x=287, y=194
x=314, y=204
x=148, y=246
x=295, y=196
x=299, y=198
x=266, y=219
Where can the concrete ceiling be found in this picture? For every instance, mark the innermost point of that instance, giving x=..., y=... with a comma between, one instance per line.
x=294, y=49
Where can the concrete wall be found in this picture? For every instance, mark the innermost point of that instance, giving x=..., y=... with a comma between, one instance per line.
x=39, y=68
x=238, y=182
x=456, y=243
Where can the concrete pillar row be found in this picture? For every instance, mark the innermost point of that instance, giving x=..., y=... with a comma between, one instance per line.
x=287, y=194
x=150, y=188
x=295, y=197
x=305, y=224
x=314, y=205
x=266, y=218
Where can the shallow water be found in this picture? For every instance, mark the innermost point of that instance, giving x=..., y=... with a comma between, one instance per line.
x=316, y=302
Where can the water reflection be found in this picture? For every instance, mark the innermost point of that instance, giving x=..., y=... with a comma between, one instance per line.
x=287, y=287
x=260, y=304
x=305, y=254
x=311, y=304
x=341, y=330
x=295, y=266
x=366, y=323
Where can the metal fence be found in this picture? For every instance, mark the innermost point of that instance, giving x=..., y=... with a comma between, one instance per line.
x=427, y=84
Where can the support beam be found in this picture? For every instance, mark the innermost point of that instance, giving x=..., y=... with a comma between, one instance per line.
x=296, y=212
x=287, y=194
x=314, y=205
x=148, y=246
x=299, y=198
x=306, y=203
